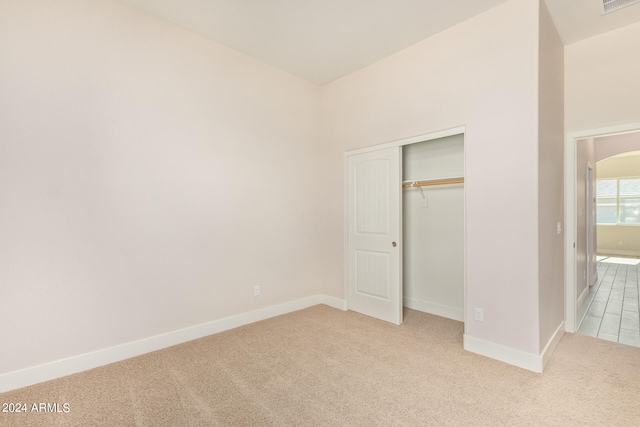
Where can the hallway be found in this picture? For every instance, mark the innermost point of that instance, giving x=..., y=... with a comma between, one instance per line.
x=610, y=311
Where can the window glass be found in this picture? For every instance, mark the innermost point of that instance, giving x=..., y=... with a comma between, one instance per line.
x=607, y=201
x=607, y=188
x=630, y=201
x=618, y=201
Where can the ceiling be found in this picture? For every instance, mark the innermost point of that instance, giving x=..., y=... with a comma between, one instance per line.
x=322, y=40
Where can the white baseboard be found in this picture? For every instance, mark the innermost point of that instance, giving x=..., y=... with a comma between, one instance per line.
x=60, y=368
x=552, y=344
x=519, y=358
x=437, y=309
x=583, y=296
x=512, y=356
x=618, y=252
x=340, y=304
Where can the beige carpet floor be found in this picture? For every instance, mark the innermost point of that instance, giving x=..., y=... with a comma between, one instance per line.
x=325, y=367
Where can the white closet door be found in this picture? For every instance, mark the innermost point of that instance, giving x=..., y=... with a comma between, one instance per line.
x=374, y=230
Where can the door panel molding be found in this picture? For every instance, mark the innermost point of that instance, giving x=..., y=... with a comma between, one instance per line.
x=374, y=225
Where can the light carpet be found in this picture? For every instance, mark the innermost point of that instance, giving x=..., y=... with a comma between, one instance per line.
x=324, y=367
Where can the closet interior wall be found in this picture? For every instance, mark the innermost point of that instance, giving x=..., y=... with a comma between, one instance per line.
x=433, y=228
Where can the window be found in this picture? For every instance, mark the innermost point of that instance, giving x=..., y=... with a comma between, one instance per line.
x=618, y=201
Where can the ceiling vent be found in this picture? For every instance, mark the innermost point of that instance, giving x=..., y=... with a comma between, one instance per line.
x=608, y=6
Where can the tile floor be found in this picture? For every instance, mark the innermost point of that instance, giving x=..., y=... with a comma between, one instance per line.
x=610, y=311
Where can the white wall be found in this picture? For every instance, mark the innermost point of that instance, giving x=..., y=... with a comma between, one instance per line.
x=601, y=80
x=626, y=166
x=149, y=179
x=619, y=240
x=482, y=74
x=433, y=228
x=608, y=146
x=550, y=178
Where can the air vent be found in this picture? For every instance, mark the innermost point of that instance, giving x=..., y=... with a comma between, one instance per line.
x=609, y=6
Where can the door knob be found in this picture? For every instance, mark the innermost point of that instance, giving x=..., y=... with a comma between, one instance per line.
x=394, y=244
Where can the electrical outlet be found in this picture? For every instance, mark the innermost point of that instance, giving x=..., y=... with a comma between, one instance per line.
x=256, y=291
x=479, y=315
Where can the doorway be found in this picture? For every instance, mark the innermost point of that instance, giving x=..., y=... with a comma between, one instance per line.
x=575, y=253
x=433, y=226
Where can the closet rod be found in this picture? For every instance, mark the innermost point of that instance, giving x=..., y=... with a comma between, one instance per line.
x=434, y=182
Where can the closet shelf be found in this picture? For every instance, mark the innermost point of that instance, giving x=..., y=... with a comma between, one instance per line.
x=432, y=182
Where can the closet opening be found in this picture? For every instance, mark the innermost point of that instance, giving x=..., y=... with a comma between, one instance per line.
x=433, y=226
x=405, y=227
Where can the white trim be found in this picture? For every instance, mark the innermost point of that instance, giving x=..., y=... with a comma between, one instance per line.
x=406, y=141
x=60, y=368
x=345, y=230
x=512, y=356
x=340, y=304
x=570, y=222
x=583, y=296
x=552, y=344
x=449, y=312
x=464, y=225
x=571, y=212
x=625, y=253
